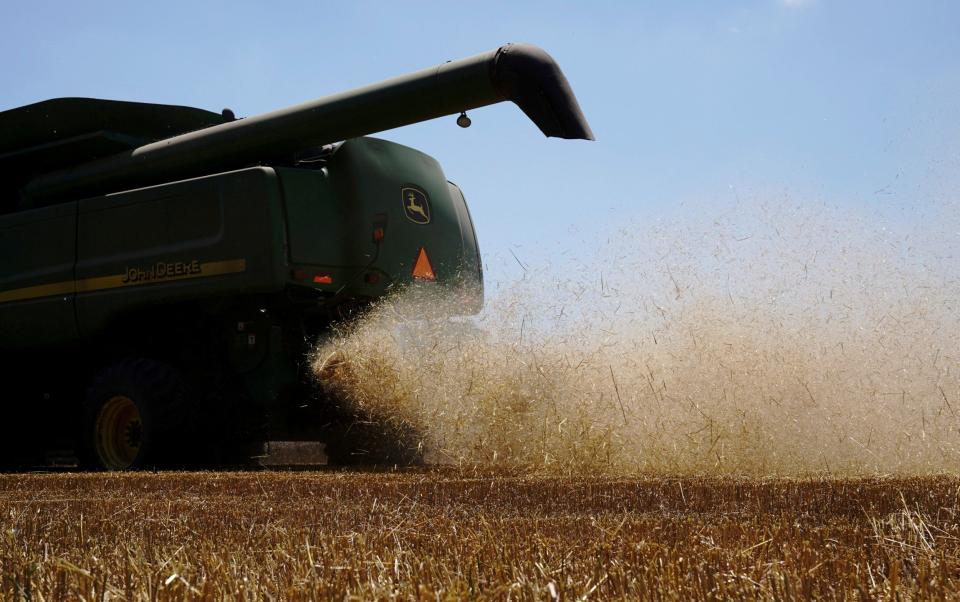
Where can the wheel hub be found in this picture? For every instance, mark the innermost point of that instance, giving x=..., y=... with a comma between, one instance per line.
x=118, y=433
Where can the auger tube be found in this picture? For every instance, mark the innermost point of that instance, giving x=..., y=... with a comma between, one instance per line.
x=521, y=73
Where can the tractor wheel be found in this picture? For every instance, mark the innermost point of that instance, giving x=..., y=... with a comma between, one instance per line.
x=135, y=416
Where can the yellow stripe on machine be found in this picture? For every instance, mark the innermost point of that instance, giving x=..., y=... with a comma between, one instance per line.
x=41, y=290
x=132, y=277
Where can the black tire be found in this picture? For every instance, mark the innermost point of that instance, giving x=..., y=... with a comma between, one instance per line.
x=159, y=436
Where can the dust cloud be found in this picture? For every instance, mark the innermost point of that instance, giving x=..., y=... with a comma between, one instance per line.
x=765, y=339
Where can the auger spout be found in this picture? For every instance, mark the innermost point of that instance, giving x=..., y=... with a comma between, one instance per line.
x=521, y=73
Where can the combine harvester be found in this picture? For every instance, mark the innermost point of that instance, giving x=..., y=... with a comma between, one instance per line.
x=165, y=270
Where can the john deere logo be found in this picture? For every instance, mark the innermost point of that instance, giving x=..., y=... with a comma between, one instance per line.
x=416, y=205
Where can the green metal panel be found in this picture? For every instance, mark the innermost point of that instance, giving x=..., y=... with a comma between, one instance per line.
x=37, y=251
x=214, y=236
x=316, y=216
x=332, y=214
x=227, y=235
x=472, y=263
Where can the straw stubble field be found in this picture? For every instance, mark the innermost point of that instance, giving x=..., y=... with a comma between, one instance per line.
x=450, y=534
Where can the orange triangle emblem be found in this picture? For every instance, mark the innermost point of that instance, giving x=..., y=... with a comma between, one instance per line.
x=422, y=270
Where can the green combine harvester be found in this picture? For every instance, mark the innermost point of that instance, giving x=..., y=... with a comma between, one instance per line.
x=164, y=270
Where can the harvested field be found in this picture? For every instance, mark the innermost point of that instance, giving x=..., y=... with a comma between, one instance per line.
x=447, y=534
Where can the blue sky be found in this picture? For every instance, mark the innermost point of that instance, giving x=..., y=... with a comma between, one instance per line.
x=852, y=103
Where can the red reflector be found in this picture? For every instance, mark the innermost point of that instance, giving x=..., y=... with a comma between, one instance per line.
x=322, y=279
x=422, y=269
x=378, y=235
